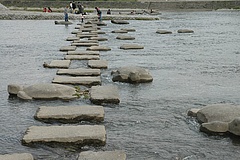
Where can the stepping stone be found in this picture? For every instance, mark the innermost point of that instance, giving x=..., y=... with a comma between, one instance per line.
x=83, y=53
x=58, y=64
x=98, y=32
x=98, y=48
x=106, y=155
x=80, y=135
x=86, y=80
x=68, y=48
x=125, y=37
x=72, y=38
x=79, y=72
x=82, y=57
x=85, y=44
x=63, y=22
x=119, y=31
x=88, y=29
x=17, y=156
x=87, y=35
x=101, y=24
x=76, y=32
x=104, y=94
x=70, y=114
x=98, y=38
x=163, y=32
x=98, y=64
x=119, y=22
x=131, y=46
x=185, y=31
x=85, y=41
x=129, y=29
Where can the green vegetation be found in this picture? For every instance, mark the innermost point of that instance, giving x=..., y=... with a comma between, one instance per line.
x=81, y=94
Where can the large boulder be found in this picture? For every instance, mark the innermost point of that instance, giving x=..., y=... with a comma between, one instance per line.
x=132, y=74
x=43, y=91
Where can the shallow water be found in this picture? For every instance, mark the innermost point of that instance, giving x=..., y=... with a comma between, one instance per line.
x=189, y=71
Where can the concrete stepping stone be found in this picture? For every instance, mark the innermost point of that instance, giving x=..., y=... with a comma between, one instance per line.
x=72, y=38
x=80, y=135
x=87, y=35
x=58, y=64
x=76, y=32
x=82, y=57
x=160, y=31
x=63, y=22
x=101, y=23
x=98, y=48
x=104, y=94
x=79, y=72
x=129, y=29
x=131, y=46
x=98, y=64
x=104, y=155
x=119, y=22
x=185, y=31
x=98, y=38
x=70, y=114
x=68, y=48
x=85, y=44
x=98, y=32
x=120, y=31
x=85, y=41
x=83, y=53
x=125, y=37
x=84, y=80
x=88, y=29
x=17, y=156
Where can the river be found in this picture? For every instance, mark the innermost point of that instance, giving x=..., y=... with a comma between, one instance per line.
x=151, y=122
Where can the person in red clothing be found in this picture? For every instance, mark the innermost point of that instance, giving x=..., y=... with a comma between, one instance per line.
x=44, y=9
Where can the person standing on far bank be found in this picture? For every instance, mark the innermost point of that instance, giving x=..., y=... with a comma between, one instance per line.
x=99, y=13
x=66, y=14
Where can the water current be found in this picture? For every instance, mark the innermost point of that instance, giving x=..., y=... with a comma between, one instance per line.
x=150, y=123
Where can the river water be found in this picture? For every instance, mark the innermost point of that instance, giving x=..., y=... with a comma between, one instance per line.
x=150, y=123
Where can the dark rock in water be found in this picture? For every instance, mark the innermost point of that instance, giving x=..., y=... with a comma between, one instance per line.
x=119, y=22
x=163, y=32
x=132, y=74
x=63, y=22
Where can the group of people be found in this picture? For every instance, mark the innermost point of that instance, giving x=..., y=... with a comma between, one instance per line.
x=48, y=9
x=73, y=9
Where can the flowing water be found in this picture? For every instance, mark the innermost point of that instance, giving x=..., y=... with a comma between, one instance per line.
x=150, y=123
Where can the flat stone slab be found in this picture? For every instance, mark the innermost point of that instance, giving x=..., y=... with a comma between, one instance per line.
x=98, y=64
x=83, y=53
x=98, y=48
x=84, y=80
x=85, y=41
x=119, y=22
x=98, y=38
x=79, y=72
x=160, y=31
x=129, y=29
x=87, y=35
x=98, y=32
x=106, y=155
x=68, y=48
x=72, y=38
x=80, y=135
x=58, y=64
x=120, y=31
x=43, y=91
x=131, y=46
x=82, y=57
x=70, y=114
x=125, y=37
x=185, y=31
x=17, y=156
x=76, y=32
x=84, y=44
x=104, y=94
x=88, y=29
x=63, y=22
